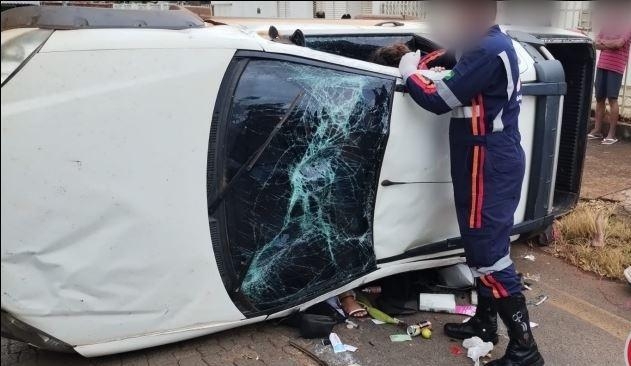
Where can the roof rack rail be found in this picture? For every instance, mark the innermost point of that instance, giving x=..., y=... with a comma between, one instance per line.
x=77, y=17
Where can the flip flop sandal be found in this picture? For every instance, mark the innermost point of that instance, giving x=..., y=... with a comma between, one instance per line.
x=359, y=312
x=609, y=141
x=594, y=136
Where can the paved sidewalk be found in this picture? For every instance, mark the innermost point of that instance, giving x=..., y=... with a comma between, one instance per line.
x=607, y=172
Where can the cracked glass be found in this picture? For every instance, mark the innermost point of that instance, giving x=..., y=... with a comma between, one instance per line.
x=300, y=221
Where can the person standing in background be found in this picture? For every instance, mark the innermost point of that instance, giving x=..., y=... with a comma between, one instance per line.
x=613, y=42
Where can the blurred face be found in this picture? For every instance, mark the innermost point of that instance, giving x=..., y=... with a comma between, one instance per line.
x=460, y=23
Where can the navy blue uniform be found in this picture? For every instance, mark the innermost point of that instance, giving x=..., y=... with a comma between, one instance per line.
x=487, y=161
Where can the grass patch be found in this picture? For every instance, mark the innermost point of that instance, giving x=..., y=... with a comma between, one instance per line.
x=595, y=237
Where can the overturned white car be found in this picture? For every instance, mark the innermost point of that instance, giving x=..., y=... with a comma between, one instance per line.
x=164, y=179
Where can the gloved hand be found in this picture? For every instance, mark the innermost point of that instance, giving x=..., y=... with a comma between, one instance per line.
x=409, y=64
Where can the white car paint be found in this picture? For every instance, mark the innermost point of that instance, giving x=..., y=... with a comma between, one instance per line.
x=104, y=215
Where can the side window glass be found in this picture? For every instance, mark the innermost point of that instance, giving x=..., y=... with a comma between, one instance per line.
x=362, y=47
x=300, y=221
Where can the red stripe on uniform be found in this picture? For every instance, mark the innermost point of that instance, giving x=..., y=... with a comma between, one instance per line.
x=474, y=166
x=480, y=193
x=498, y=286
x=486, y=283
x=424, y=83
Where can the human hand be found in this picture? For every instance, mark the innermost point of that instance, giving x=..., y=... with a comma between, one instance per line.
x=409, y=64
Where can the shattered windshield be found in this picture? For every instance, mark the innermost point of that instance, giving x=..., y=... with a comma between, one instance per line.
x=300, y=221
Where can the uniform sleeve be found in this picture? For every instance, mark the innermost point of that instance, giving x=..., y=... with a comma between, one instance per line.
x=473, y=72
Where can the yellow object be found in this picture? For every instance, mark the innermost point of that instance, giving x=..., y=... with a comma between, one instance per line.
x=426, y=333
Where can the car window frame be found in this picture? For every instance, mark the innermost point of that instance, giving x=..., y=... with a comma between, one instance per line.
x=222, y=110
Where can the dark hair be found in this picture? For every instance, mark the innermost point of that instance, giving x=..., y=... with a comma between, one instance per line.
x=389, y=55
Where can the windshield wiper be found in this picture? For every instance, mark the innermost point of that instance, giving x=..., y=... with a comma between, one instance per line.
x=249, y=164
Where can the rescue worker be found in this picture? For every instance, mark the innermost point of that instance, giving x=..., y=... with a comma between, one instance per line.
x=482, y=91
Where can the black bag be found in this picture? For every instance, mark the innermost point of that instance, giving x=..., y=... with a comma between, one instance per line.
x=316, y=321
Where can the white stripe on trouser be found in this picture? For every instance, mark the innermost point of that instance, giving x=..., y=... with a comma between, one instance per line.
x=502, y=263
x=446, y=94
x=498, y=124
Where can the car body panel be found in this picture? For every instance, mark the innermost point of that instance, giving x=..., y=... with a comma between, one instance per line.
x=104, y=215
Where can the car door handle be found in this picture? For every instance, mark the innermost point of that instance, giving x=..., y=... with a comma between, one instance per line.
x=387, y=182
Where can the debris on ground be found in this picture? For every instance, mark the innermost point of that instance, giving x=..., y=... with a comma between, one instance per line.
x=455, y=350
x=437, y=302
x=417, y=329
x=477, y=348
x=376, y=313
x=538, y=300
x=530, y=257
x=532, y=277
x=533, y=325
x=308, y=353
x=400, y=337
x=336, y=343
x=444, y=303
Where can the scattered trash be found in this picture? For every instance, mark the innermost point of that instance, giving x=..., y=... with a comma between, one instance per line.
x=477, y=348
x=351, y=324
x=308, y=353
x=350, y=348
x=455, y=350
x=445, y=303
x=426, y=333
x=465, y=310
x=532, y=277
x=337, y=344
x=377, y=321
x=437, y=302
x=533, y=325
x=376, y=313
x=538, y=300
x=416, y=329
x=400, y=337
x=527, y=287
x=456, y=276
x=371, y=290
x=530, y=257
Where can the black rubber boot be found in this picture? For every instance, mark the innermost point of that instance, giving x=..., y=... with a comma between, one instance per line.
x=522, y=348
x=483, y=324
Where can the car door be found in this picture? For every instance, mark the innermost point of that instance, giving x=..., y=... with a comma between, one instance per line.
x=414, y=198
x=299, y=221
x=414, y=212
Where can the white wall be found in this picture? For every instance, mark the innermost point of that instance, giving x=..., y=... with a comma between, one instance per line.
x=263, y=9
